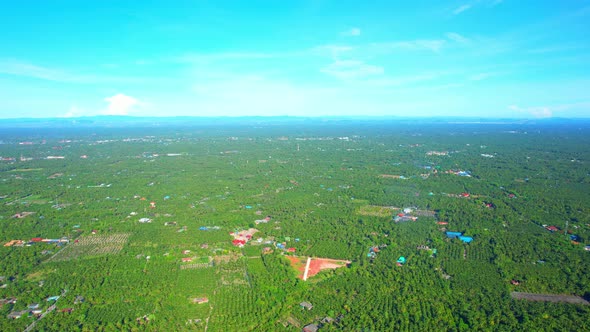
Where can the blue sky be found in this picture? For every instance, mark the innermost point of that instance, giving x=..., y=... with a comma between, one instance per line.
x=485, y=58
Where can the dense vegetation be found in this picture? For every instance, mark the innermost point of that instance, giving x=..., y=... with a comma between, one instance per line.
x=319, y=182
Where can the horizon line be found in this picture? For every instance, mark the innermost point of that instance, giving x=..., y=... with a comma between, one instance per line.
x=85, y=117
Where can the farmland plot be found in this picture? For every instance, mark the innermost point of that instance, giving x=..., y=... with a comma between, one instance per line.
x=93, y=245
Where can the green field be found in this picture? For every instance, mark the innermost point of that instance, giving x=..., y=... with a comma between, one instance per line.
x=325, y=197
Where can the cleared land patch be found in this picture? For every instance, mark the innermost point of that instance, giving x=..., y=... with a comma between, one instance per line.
x=26, y=169
x=315, y=265
x=198, y=263
x=92, y=245
x=298, y=263
x=318, y=264
x=549, y=298
x=377, y=211
x=390, y=176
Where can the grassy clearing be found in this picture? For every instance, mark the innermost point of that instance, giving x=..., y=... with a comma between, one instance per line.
x=377, y=211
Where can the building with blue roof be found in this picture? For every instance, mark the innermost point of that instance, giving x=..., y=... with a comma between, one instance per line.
x=466, y=239
x=452, y=235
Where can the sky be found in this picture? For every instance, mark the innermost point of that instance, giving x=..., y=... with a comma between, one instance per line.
x=475, y=58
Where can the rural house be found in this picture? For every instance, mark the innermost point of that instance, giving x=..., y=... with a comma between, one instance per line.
x=200, y=300
x=310, y=328
x=327, y=320
x=452, y=235
x=466, y=239
x=306, y=305
x=17, y=314
x=552, y=228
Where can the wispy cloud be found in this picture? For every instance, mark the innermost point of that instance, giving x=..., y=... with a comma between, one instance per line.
x=352, y=32
x=17, y=68
x=481, y=76
x=74, y=111
x=351, y=69
x=332, y=50
x=461, y=9
x=120, y=104
x=548, y=111
x=476, y=3
x=143, y=62
x=557, y=48
x=266, y=95
x=538, y=112
x=111, y=65
x=196, y=57
x=434, y=45
x=457, y=37
x=408, y=80
x=29, y=70
x=232, y=94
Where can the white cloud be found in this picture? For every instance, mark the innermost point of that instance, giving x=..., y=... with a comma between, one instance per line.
x=476, y=3
x=265, y=95
x=25, y=69
x=481, y=76
x=538, y=112
x=461, y=9
x=352, y=32
x=209, y=57
x=73, y=112
x=247, y=94
x=404, y=81
x=457, y=37
x=548, y=111
x=351, y=69
x=568, y=47
x=18, y=68
x=434, y=45
x=143, y=62
x=120, y=104
x=333, y=50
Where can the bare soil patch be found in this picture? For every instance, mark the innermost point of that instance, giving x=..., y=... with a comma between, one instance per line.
x=549, y=298
x=318, y=264
x=315, y=265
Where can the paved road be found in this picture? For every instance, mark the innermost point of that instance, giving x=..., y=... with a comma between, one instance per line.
x=50, y=309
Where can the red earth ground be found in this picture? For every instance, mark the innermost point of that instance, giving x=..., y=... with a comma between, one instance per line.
x=299, y=264
x=318, y=264
x=315, y=266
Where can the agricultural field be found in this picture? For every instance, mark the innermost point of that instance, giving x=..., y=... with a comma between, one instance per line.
x=209, y=226
x=90, y=246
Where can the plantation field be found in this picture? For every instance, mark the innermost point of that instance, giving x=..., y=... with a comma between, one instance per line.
x=166, y=204
x=92, y=245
